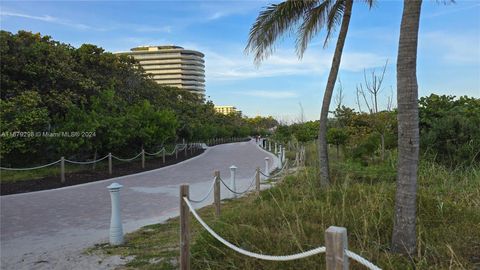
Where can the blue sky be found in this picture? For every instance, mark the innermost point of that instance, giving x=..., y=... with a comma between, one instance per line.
x=448, y=60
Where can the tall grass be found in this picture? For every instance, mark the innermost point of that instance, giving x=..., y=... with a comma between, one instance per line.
x=293, y=216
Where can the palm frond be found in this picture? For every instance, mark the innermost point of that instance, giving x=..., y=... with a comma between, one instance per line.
x=277, y=19
x=334, y=19
x=273, y=22
x=370, y=3
x=314, y=20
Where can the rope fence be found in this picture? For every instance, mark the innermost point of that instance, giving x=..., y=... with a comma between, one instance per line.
x=282, y=170
x=127, y=159
x=156, y=153
x=163, y=152
x=249, y=253
x=86, y=162
x=335, y=247
x=207, y=194
x=178, y=147
x=241, y=192
x=31, y=168
x=336, y=244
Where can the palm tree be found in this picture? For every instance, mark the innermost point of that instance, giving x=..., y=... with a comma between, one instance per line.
x=403, y=237
x=310, y=17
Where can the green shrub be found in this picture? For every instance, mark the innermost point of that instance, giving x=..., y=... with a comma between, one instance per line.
x=449, y=129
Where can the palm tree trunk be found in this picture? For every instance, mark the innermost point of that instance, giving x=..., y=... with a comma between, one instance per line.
x=404, y=237
x=327, y=97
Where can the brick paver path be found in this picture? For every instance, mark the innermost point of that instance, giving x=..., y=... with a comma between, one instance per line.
x=36, y=226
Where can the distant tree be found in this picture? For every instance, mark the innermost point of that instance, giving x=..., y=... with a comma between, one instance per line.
x=337, y=137
x=382, y=121
x=148, y=127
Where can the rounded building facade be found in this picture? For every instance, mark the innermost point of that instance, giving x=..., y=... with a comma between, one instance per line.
x=173, y=66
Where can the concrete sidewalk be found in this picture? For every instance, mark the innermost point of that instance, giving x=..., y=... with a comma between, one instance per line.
x=48, y=229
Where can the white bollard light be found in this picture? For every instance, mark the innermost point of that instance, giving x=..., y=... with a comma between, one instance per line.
x=267, y=171
x=116, y=228
x=269, y=146
x=276, y=149
x=283, y=154
x=233, y=172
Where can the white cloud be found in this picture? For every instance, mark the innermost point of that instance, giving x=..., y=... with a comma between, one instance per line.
x=269, y=94
x=217, y=15
x=47, y=18
x=214, y=10
x=139, y=28
x=237, y=66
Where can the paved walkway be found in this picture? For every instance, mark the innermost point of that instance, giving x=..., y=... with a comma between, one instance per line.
x=47, y=229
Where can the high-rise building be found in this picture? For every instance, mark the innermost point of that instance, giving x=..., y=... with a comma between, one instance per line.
x=173, y=66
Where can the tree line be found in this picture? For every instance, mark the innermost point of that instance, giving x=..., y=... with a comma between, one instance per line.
x=106, y=100
x=449, y=132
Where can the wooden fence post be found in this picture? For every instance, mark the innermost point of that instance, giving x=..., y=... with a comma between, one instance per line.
x=143, y=158
x=216, y=194
x=62, y=169
x=336, y=243
x=184, y=229
x=110, y=163
x=257, y=181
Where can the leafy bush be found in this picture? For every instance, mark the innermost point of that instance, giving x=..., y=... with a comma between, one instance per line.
x=449, y=129
x=365, y=149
